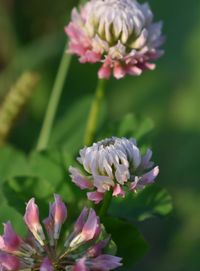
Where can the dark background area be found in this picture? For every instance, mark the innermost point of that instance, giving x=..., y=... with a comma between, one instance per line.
x=32, y=38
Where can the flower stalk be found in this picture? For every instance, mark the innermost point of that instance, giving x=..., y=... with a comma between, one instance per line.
x=53, y=102
x=105, y=204
x=96, y=106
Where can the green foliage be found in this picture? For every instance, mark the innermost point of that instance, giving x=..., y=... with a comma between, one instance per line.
x=13, y=162
x=149, y=202
x=139, y=127
x=40, y=175
x=131, y=246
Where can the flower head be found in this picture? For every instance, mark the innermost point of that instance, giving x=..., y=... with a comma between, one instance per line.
x=113, y=164
x=120, y=34
x=82, y=248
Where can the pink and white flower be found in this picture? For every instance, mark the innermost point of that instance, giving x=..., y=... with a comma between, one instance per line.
x=120, y=34
x=83, y=248
x=113, y=164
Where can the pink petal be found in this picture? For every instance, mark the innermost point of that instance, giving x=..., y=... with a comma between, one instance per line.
x=104, y=72
x=31, y=219
x=96, y=249
x=90, y=56
x=81, y=220
x=46, y=265
x=31, y=216
x=9, y=241
x=133, y=70
x=119, y=71
x=90, y=227
x=80, y=265
x=9, y=262
x=95, y=196
x=80, y=180
x=59, y=210
x=118, y=191
x=149, y=177
x=106, y=262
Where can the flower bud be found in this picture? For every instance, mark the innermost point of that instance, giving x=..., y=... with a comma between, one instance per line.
x=9, y=242
x=9, y=262
x=58, y=212
x=31, y=219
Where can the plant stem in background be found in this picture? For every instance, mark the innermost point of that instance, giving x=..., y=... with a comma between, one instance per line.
x=105, y=204
x=53, y=102
x=96, y=106
x=15, y=101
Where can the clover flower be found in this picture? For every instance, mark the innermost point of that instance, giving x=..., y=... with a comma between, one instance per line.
x=114, y=164
x=82, y=249
x=120, y=34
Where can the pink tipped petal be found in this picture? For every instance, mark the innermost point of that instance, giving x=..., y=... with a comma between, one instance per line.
x=9, y=262
x=149, y=177
x=49, y=226
x=133, y=70
x=95, y=196
x=31, y=219
x=91, y=57
x=31, y=216
x=106, y=262
x=118, y=191
x=146, y=163
x=9, y=241
x=96, y=249
x=104, y=72
x=91, y=226
x=58, y=211
x=119, y=71
x=150, y=66
x=46, y=265
x=80, y=180
x=80, y=265
x=81, y=221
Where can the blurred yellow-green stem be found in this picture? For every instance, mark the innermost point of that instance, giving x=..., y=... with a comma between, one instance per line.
x=94, y=112
x=53, y=102
x=15, y=101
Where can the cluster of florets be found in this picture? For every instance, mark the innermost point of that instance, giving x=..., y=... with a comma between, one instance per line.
x=82, y=250
x=120, y=34
x=113, y=164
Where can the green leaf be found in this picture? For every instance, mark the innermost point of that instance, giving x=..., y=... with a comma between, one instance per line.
x=140, y=128
x=48, y=175
x=150, y=202
x=70, y=128
x=131, y=245
x=13, y=162
x=10, y=214
x=18, y=191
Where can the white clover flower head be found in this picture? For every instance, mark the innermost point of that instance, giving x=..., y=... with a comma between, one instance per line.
x=120, y=34
x=113, y=164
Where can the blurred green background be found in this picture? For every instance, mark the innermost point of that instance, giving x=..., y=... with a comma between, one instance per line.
x=32, y=38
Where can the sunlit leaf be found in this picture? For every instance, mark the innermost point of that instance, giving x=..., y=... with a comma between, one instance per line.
x=150, y=202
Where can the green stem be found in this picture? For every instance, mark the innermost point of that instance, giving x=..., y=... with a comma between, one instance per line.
x=53, y=102
x=105, y=204
x=91, y=126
